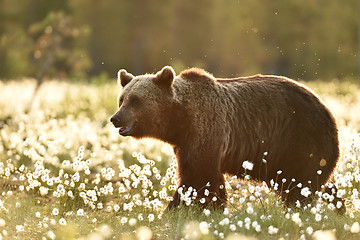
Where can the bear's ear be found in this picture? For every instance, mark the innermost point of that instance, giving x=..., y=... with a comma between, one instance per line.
x=165, y=77
x=124, y=77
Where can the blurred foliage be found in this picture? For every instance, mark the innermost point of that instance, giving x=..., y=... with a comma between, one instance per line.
x=302, y=39
x=55, y=48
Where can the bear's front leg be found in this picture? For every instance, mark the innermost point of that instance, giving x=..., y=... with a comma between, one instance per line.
x=175, y=202
x=203, y=186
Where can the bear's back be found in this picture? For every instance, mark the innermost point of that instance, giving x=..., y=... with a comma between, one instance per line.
x=270, y=113
x=258, y=90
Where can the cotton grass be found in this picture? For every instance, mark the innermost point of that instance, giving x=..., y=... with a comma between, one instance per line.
x=66, y=173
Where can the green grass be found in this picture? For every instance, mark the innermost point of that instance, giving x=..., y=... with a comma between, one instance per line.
x=65, y=173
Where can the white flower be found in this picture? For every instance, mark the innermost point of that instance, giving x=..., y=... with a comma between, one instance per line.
x=2, y=222
x=272, y=182
x=204, y=228
x=62, y=221
x=81, y=149
x=309, y=230
x=225, y=221
x=43, y=191
x=116, y=207
x=339, y=204
x=19, y=228
x=151, y=217
x=206, y=192
x=250, y=210
x=331, y=206
x=296, y=219
x=80, y=212
x=123, y=220
x=206, y=212
x=272, y=230
x=55, y=211
x=318, y=217
x=327, y=234
x=51, y=234
x=132, y=221
x=355, y=228
x=247, y=165
x=305, y=192
x=144, y=233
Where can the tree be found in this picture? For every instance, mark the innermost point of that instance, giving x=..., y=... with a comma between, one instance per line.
x=54, y=48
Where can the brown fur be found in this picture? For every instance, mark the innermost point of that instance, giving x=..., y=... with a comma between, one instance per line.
x=217, y=124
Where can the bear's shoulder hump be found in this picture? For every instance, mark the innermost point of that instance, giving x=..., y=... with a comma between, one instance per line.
x=197, y=74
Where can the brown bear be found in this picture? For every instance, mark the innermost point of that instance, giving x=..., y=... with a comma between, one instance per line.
x=269, y=127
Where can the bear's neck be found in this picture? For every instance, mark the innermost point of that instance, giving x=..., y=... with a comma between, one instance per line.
x=177, y=127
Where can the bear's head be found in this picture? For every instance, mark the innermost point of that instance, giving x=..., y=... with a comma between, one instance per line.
x=145, y=104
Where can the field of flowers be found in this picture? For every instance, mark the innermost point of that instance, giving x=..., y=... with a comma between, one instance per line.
x=65, y=173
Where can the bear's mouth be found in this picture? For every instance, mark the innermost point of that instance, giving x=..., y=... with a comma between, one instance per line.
x=126, y=131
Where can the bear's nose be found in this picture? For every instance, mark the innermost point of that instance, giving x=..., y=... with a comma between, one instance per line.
x=115, y=121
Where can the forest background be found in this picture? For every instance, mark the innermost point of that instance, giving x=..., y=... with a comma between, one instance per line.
x=85, y=39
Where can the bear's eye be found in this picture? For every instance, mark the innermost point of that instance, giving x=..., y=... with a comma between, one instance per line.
x=121, y=100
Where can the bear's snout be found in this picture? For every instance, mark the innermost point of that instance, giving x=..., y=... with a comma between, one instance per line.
x=115, y=120
x=126, y=127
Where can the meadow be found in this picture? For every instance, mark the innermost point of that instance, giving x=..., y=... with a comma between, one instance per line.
x=65, y=173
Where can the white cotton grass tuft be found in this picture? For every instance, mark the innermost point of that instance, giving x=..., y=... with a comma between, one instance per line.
x=272, y=230
x=101, y=178
x=248, y=165
x=144, y=233
x=305, y=192
x=324, y=235
x=355, y=227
